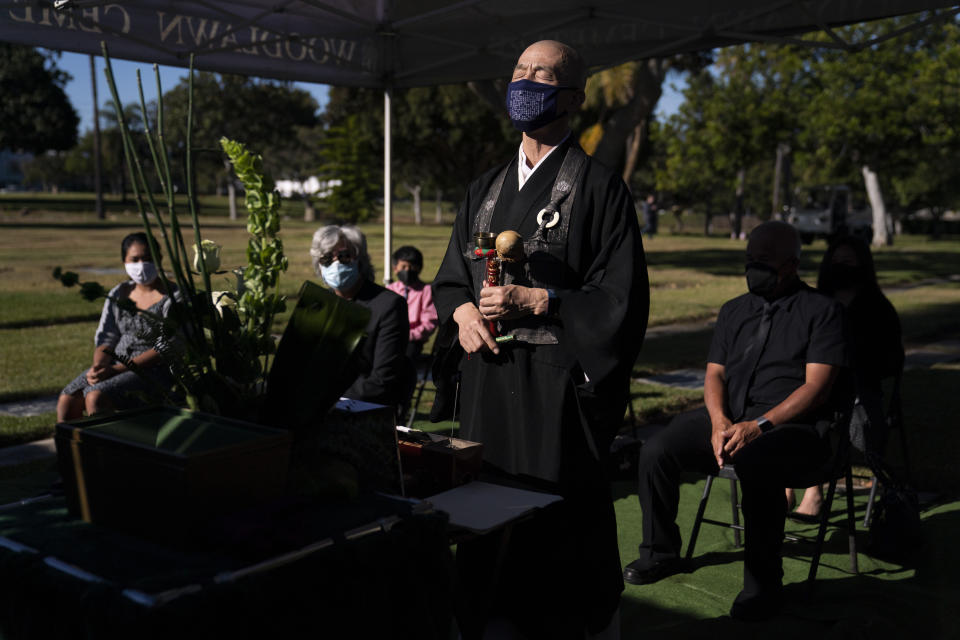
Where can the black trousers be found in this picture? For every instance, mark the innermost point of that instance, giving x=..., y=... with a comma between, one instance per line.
x=557, y=574
x=785, y=456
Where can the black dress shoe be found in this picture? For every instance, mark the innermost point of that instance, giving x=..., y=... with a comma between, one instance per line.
x=758, y=607
x=642, y=572
x=804, y=518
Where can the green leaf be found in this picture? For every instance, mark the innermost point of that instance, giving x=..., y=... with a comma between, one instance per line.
x=90, y=291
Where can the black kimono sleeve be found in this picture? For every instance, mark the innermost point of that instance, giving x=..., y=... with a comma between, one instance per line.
x=605, y=318
x=453, y=285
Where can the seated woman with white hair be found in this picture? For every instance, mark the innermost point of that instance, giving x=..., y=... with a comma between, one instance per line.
x=340, y=258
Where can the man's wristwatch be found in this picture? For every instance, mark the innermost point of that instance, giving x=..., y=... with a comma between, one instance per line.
x=553, y=302
x=764, y=424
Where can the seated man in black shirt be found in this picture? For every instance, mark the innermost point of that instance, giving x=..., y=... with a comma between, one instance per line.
x=775, y=354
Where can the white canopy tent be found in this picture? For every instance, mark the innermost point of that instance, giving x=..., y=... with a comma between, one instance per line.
x=391, y=44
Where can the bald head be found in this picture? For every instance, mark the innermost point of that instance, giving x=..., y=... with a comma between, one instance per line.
x=560, y=64
x=774, y=243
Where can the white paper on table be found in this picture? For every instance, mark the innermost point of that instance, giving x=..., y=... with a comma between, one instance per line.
x=356, y=406
x=481, y=507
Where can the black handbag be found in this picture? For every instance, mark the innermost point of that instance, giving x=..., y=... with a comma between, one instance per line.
x=895, y=529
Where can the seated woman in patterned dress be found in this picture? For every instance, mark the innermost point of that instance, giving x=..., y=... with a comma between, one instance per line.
x=109, y=384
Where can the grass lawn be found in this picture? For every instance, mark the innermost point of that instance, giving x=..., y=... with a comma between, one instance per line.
x=46, y=339
x=46, y=330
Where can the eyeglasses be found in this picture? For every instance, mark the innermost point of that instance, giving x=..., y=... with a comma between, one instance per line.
x=343, y=257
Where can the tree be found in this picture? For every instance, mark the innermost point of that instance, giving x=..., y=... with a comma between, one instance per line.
x=885, y=115
x=263, y=115
x=35, y=114
x=450, y=138
x=693, y=172
x=46, y=169
x=929, y=175
x=620, y=103
x=111, y=143
x=347, y=157
x=301, y=160
x=722, y=143
x=442, y=137
x=889, y=111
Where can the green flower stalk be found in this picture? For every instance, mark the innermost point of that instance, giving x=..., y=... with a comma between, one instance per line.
x=259, y=301
x=217, y=343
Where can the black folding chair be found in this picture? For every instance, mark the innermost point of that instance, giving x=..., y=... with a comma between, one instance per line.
x=424, y=365
x=838, y=465
x=894, y=420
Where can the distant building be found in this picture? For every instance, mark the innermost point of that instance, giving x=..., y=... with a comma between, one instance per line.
x=11, y=173
x=312, y=186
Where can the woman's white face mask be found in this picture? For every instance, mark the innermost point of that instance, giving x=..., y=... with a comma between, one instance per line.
x=141, y=272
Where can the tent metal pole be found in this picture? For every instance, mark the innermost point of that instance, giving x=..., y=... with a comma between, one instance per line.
x=387, y=188
x=97, y=186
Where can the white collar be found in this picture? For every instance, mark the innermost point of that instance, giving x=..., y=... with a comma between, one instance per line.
x=524, y=172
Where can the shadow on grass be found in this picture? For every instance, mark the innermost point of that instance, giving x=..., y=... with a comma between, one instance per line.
x=134, y=224
x=909, y=265
x=46, y=322
x=885, y=601
x=931, y=405
x=666, y=352
x=718, y=262
x=917, y=263
x=931, y=322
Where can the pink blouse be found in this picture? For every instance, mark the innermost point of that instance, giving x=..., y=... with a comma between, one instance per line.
x=420, y=310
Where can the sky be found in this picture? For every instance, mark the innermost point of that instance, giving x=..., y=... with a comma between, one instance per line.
x=80, y=92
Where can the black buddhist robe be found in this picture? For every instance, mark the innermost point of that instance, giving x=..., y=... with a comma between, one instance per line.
x=547, y=413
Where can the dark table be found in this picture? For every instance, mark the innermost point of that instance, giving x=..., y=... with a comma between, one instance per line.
x=371, y=567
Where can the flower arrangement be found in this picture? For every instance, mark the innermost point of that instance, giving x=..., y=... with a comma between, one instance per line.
x=218, y=344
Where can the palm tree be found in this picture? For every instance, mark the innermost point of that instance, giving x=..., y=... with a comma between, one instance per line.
x=112, y=142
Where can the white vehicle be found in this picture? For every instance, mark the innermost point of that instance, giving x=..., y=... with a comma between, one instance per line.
x=827, y=211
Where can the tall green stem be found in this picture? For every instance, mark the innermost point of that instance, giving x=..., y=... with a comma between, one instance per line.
x=138, y=180
x=193, y=209
x=173, y=249
x=174, y=218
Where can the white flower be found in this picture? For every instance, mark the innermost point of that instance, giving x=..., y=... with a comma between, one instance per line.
x=223, y=299
x=211, y=256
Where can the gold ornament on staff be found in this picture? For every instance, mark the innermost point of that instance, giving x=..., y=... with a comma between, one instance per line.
x=497, y=248
x=510, y=247
x=509, y=250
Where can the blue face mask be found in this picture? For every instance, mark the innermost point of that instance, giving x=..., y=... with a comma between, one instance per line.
x=532, y=105
x=340, y=276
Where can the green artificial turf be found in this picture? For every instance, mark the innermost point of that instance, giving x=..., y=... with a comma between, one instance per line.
x=885, y=600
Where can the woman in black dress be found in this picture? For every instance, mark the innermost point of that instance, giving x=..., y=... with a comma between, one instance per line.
x=875, y=345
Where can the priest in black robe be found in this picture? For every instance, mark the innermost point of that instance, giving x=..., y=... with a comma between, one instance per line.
x=547, y=404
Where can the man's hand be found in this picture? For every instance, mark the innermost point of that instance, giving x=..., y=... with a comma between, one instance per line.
x=474, y=334
x=739, y=435
x=717, y=438
x=512, y=301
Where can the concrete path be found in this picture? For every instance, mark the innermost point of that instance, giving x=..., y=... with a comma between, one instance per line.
x=916, y=358
x=681, y=379
x=931, y=354
x=21, y=454
x=27, y=408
